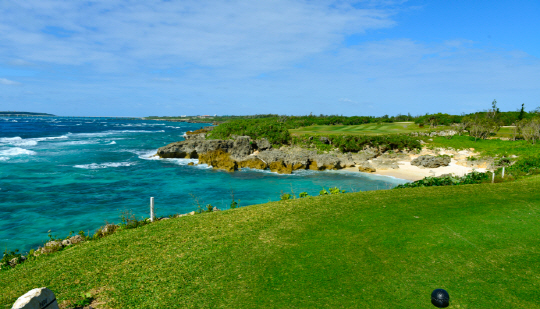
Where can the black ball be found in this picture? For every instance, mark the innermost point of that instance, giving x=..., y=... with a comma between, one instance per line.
x=440, y=298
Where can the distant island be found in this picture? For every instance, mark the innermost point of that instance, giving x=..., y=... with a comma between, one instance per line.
x=23, y=114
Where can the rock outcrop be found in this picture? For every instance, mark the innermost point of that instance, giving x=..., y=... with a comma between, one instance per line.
x=244, y=152
x=431, y=161
x=37, y=298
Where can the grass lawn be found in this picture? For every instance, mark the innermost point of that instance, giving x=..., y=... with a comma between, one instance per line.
x=488, y=147
x=370, y=128
x=377, y=249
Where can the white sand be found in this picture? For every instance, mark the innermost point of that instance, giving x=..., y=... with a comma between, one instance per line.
x=413, y=173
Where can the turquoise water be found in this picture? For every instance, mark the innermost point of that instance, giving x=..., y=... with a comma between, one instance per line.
x=65, y=175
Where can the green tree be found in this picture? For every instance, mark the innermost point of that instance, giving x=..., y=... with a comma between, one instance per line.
x=521, y=112
x=481, y=126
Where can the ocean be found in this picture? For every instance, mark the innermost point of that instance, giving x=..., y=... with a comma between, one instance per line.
x=59, y=175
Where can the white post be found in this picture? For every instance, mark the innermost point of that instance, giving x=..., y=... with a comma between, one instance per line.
x=503, y=172
x=151, y=209
x=493, y=177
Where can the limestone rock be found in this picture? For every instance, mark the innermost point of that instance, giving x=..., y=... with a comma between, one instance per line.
x=76, y=239
x=242, y=146
x=366, y=168
x=219, y=159
x=263, y=144
x=37, y=299
x=431, y=161
x=66, y=242
x=54, y=243
x=255, y=163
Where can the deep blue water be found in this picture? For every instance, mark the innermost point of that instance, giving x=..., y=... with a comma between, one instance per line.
x=65, y=175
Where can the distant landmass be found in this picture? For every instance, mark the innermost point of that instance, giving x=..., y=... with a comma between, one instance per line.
x=23, y=114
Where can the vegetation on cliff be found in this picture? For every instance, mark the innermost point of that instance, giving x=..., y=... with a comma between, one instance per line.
x=356, y=143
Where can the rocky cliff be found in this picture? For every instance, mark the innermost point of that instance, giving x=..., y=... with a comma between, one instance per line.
x=242, y=152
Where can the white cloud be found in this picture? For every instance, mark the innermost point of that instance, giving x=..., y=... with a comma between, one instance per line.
x=5, y=81
x=250, y=36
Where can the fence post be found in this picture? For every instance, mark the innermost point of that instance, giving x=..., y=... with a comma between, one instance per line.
x=493, y=177
x=503, y=172
x=151, y=209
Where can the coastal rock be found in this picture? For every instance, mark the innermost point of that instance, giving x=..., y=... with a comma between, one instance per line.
x=54, y=243
x=431, y=161
x=219, y=159
x=242, y=146
x=108, y=229
x=66, y=242
x=253, y=162
x=325, y=162
x=263, y=144
x=14, y=261
x=76, y=239
x=366, y=168
x=37, y=299
x=191, y=149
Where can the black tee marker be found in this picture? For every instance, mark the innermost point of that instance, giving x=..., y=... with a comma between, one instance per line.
x=440, y=298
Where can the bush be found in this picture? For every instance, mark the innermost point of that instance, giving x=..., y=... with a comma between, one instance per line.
x=270, y=128
x=336, y=190
x=471, y=178
x=303, y=194
x=356, y=143
x=525, y=166
x=286, y=196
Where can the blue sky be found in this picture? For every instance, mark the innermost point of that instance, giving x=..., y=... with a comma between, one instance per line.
x=141, y=58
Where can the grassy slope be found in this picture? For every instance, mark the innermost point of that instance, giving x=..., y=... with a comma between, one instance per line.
x=489, y=147
x=370, y=128
x=383, y=128
x=378, y=249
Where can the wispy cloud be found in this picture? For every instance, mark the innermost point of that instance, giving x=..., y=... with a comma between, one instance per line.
x=5, y=81
x=238, y=57
x=248, y=35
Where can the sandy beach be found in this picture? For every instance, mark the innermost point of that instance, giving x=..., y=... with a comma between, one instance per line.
x=410, y=172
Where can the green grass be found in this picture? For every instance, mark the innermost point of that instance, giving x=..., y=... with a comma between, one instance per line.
x=369, y=129
x=378, y=249
x=488, y=147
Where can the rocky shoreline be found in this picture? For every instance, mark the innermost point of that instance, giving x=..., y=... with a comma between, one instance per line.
x=244, y=152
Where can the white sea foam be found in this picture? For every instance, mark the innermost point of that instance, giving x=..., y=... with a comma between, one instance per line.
x=94, y=166
x=112, y=143
x=18, y=141
x=146, y=155
x=107, y=133
x=15, y=151
x=183, y=161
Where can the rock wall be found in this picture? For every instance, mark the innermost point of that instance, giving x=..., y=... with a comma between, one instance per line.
x=243, y=152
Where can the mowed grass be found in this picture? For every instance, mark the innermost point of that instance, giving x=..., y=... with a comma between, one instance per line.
x=369, y=129
x=378, y=249
x=488, y=147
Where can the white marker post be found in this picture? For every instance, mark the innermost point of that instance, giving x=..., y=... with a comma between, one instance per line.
x=503, y=172
x=151, y=209
x=493, y=177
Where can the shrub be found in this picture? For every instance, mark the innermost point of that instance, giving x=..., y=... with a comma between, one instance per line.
x=356, y=143
x=471, y=178
x=303, y=194
x=336, y=190
x=525, y=166
x=286, y=196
